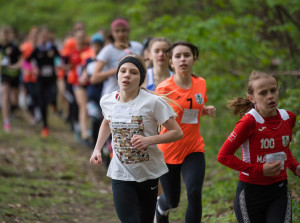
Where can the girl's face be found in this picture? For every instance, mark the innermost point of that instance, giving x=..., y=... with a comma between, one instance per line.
x=182, y=60
x=265, y=96
x=157, y=53
x=120, y=33
x=4, y=36
x=129, y=77
x=80, y=37
x=96, y=47
x=146, y=58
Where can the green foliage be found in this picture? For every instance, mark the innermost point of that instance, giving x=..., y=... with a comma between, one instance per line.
x=234, y=38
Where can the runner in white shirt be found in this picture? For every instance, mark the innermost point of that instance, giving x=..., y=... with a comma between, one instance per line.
x=111, y=54
x=131, y=115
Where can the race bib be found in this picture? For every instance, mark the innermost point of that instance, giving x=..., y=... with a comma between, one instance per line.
x=46, y=71
x=122, y=113
x=280, y=156
x=5, y=61
x=190, y=116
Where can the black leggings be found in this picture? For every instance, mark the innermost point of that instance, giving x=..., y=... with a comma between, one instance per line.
x=193, y=171
x=47, y=91
x=135, y=202
x=263, y=203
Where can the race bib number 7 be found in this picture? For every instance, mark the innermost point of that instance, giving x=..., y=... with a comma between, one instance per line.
x=190, y=116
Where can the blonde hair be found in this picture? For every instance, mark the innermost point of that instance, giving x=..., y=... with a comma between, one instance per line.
x=242, y=105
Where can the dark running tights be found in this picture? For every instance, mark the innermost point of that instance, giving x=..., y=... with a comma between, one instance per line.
x=46, y=95
x=135, y=202
x=263, y=203
x=193, y=171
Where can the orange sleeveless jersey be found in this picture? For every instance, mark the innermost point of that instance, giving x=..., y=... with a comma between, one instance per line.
x=191, y=101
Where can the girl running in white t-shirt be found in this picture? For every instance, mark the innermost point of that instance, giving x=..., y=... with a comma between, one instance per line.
x=131, y=116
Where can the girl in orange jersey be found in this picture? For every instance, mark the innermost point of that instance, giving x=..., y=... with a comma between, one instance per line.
x=186, y=156
x=29, y=73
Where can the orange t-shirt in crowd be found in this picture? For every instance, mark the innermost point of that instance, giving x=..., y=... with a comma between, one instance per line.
x=191, y=102
x=69, y=50
x=27, y=66
x=89, y=53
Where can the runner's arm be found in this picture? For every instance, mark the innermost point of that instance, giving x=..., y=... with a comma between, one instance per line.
x=103, y=135
x=99, y=75
x=244, y=128
x=173, y=134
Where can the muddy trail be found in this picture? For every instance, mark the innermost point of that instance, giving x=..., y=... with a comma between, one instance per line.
x=50, y=180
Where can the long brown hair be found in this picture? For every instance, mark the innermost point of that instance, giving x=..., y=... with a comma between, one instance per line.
x=242, y=105
x=194, y=49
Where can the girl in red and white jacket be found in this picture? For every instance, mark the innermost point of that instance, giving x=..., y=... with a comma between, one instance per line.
x=264, y=134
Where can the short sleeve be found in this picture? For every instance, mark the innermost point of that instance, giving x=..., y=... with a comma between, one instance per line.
x=104, y=54
x=162, y=110
x=104, y=104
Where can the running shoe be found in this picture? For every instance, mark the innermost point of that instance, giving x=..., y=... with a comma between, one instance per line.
x=45, y=132
x=161, y=218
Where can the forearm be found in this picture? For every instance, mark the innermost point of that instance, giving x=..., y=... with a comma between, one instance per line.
x=17, y=65
x=233, y=162
x=167, y=137
x=103, y=135
x=100, y=76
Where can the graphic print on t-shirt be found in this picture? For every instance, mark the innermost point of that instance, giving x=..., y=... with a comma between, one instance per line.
x=122, y=134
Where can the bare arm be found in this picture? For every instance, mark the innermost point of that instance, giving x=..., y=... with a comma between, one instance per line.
x=104, y=133
x=99, y=75
x=84, y=78
x=173, y=134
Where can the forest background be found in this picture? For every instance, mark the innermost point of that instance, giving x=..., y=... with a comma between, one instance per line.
x=234, y=38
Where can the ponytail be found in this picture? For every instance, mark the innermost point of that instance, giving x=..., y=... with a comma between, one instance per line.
x=240, y=105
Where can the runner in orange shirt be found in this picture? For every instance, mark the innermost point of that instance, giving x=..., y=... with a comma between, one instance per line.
x=29, y=73
x=185, y=156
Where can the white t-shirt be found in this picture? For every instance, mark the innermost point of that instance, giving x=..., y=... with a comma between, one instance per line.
x=137, y=117
x=111, y=56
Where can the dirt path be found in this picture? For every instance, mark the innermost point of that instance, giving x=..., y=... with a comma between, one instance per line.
x=50, y=180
